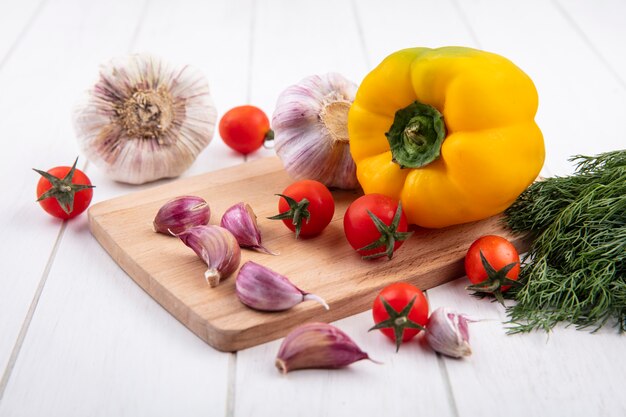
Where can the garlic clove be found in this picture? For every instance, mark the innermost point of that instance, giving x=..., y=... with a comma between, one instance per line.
x=181, y=213
x=310, y=126
x=217, y=247
x=262, y=289
x=240, y=220
x=448, y=333
x=144, y=120
x=317, y=345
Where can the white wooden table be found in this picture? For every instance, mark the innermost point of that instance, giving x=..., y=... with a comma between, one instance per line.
x=79, y=338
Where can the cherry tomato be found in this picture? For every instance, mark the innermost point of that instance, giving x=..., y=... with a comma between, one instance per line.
x=498, y=265
x=375, y=226
x=245, y=128
x=400, y=312
x=63, y=191
x=306, y=207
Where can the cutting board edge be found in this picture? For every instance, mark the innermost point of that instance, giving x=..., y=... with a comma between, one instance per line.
x=259, y=166
x=358, y=304
x=229, y=340
x=232, y=339
x=148, y=284
x=237, y=339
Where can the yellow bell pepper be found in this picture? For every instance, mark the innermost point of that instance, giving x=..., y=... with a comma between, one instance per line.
x=450, y=132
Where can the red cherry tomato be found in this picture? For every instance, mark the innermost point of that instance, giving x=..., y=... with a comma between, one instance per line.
x=405, y=320
x=63, y=191
x=366, y=235
x=503, y=264
x=306, y=207
x=245, y=128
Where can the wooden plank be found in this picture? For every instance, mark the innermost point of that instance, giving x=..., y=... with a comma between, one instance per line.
x=409, y=23
x=568, y=75
x=566, y=372
x=98, y=346
x=599, y=24
x=325, y=265
x=410, y=382
x=283, y=55
x=38, y=92
x=293, y=40
x=15, y=20
x=85, y=354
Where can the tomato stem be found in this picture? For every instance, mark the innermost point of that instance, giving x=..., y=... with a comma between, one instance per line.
x=495, y=280
x=62, y=189
x=398, y=320
x=388, y=235
x=269, y=138
x=297, y=212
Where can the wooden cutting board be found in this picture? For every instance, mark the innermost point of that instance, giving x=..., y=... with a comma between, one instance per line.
x=325, y=265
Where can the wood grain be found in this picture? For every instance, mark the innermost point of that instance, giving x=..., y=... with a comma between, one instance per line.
x=110, y=350
x=325, y=265
x=31, y=235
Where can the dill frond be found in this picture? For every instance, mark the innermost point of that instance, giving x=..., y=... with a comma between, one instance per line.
x=578, y=268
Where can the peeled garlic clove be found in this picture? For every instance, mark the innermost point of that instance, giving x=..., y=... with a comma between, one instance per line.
x=181, y=213
x=144, y=120
x=447, y=333
x=217, y=247
x=310, y=126
x=317, y=345
x=240, y=220
x=261, y=288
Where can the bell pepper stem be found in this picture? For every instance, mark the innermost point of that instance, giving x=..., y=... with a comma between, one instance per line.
x=416, y=135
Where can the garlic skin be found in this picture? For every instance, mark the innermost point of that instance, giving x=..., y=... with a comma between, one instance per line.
x=262, y=289
x=144, y=120
x=317, y=345
x=240, y=220
x=217, y=247
x=181, y=213
x=310, y=126
x=447, y=333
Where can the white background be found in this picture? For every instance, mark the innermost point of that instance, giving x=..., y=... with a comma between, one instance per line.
x=79, y=338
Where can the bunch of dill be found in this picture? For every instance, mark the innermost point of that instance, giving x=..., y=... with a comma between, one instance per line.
x=577, y=268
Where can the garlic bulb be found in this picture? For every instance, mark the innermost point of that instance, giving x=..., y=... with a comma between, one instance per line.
x=143, y=120
x=310, y=126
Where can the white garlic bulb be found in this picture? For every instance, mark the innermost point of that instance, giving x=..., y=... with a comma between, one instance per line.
x=144, y=120
x=310, y=126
